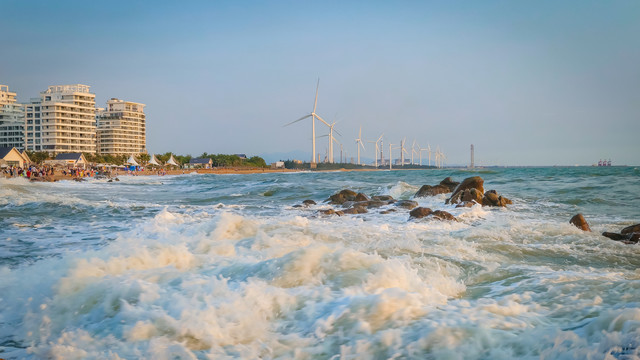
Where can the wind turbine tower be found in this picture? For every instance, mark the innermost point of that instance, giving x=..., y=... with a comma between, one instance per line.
x=472, y=165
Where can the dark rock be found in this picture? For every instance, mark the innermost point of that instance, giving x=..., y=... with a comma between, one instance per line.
x=579, y=221
x=383, y=198
x=443, y=215
x=617, y=237
x=297, y=206
x=407, y=204
x=474, y=182
x=342, y=196
x=389, y=211
x=356, y=210
x=374, y=204
x=466, y=195
x=428, y=190
x=631, y=229
x=448, y=182
x=327, y=212
x=420, y=212
x=308, y=202
x=361, y=197
x=491, y=198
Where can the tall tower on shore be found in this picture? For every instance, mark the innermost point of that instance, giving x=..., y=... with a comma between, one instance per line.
x=472, y=165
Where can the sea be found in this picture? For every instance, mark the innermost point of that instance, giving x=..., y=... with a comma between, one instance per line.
x=203, y=266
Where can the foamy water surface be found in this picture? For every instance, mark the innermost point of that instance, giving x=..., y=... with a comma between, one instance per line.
x=225, y=267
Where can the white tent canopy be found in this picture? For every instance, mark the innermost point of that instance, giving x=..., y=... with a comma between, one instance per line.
x=132, y=161
x=153, y=160
x=171, y=161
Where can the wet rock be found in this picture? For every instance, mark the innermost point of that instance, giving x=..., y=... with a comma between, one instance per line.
x=420, y=212
x=443, y=215
x=387, y=198
x=361, y=197
x=407, y=204
x=356, y=210
x=631, y=229
x=308, y=202
x=466, y=195
x=448, y=182
x=374, y=204
x=428, y=190
x=464, y=190
x=616, y=236
x=331, y=212
x=389, y=211
x=579, y=221
x=491, y=198
x=342, y=196
x=297, y=206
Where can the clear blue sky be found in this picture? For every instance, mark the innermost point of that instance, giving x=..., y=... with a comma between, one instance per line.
x=529, y=83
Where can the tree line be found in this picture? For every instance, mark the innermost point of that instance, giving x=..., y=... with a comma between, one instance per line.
x=218, y=160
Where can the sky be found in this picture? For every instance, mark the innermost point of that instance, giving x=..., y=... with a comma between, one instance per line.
x=527, y=82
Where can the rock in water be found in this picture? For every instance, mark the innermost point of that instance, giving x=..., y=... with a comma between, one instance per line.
x=420, y=212
x=463, y=190
x=579, y=222
x=361, y=197
x=631, y=229
x=308, y=202
x=448, y=182
x=491, y=198
x=342, y=196
x=616, y=236
x=407, y=204
x=443, y=215
x=428, y=190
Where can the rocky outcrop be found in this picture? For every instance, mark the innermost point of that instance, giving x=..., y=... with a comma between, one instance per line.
x=342, y=197
x=331, y=212
x=428, y=190
x=356, y=210
x=308, y=202
x=491, y=198
x=361, y=197
x=421, y=212
x=387, y=198
x=628, y=235
x=579, y=221
x=446, y=186
x=443, y=215
x=448, y=182
x=407, y=204
x=463, y=191
x=631, y=229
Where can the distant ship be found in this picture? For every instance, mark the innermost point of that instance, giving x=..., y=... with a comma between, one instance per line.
x=604, y=162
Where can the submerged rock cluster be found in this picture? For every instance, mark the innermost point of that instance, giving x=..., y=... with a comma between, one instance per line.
x=465, y=194
x=628, y=235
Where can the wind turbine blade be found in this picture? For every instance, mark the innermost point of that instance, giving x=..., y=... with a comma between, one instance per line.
x=321, y=119
x=295, y=121
x=315, y=102
x=361, y=144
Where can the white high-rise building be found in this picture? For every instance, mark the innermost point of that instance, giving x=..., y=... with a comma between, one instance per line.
x=11, y=120
x=121, y=128
x=64, y=120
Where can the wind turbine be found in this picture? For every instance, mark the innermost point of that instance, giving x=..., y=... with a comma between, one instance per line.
x=313, y=117
x=331, y=140
x=413, y=151
x=390, y=157
x=429, y=152
x=359, y=144
x=378, y=148
x=402, y=151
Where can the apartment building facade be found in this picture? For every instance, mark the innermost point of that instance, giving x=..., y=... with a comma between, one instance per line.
x=62, y=120
x=11, y=120
x=121, y=128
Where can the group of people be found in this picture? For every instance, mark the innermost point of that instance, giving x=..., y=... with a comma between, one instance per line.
x=30, y=172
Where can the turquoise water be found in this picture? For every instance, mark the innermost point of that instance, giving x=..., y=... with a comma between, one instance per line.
x=223, y=266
